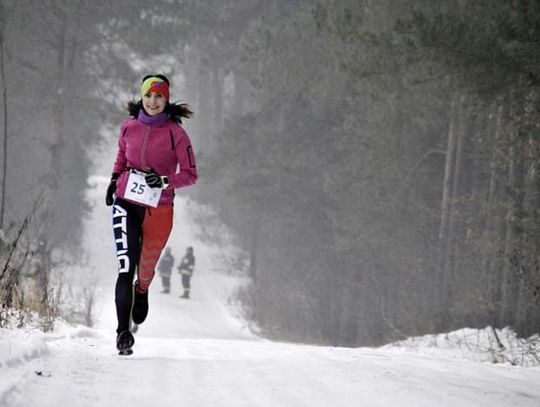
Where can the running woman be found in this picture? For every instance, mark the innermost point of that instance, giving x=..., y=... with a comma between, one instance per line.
x=154, y=157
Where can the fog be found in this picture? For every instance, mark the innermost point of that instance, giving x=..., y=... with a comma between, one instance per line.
x=370, y=167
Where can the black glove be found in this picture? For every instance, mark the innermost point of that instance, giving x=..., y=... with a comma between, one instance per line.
x=155, y=181
x=111, y=189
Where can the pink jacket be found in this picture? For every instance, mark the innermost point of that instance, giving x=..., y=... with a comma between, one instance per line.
x=162, y=146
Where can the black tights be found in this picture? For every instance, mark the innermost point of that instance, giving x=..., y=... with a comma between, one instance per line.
x=127, y=229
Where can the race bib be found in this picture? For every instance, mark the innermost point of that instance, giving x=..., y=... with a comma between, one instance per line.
x=137, y=190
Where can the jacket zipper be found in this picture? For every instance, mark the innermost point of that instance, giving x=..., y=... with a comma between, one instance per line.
x=143, y=149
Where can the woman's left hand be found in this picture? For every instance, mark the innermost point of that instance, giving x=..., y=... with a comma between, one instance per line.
x=153, y=180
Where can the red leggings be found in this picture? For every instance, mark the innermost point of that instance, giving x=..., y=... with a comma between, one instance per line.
x=156, y=228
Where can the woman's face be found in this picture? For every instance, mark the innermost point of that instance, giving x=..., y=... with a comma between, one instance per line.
x=153, y=103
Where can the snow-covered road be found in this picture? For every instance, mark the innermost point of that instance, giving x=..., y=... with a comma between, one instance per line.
x=191, y=353
x=196, y=353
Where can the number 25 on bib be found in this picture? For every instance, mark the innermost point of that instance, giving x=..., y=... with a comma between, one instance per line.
x=137, y=190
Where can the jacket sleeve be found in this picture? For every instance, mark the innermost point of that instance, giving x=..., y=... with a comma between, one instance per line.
x=121, y=160
x=186, y=160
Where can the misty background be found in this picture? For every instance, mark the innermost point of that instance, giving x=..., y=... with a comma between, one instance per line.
x=376, y=161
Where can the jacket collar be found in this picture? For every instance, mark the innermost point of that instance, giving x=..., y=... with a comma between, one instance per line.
x=152, y=120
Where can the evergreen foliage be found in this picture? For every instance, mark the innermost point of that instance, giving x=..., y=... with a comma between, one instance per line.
x=377, y=160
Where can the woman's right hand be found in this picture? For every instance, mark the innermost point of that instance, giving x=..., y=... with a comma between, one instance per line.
x=111, y=189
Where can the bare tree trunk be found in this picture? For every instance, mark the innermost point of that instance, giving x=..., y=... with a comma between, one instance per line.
x=66, y=46
x=398, y=121
x=446, y=207
x=5, y=126
x=254, y=250
x=450, y=256
x=350, y=304
x=253, y=268
x=488, y=233
x=526, y=266
x=493, y=225
x=329, y=307
x=57, y=146
x=512, y=247
x=530, y=222
x=511, y=253
x=89, y=294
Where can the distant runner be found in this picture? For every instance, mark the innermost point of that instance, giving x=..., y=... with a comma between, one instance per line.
x=186, y=268
x=165, y=270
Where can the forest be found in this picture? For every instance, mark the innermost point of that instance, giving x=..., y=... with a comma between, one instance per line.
x=377, y=161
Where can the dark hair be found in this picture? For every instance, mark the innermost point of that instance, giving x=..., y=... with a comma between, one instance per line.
x=160, y=76
x=175, y=110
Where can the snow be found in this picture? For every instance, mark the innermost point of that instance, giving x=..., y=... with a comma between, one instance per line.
x=481, y=345
x=200, y=353
x=195, y=352
x=203, y=359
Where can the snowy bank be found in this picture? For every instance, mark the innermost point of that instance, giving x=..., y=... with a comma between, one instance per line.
x=480, y=345
x=20, y=345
